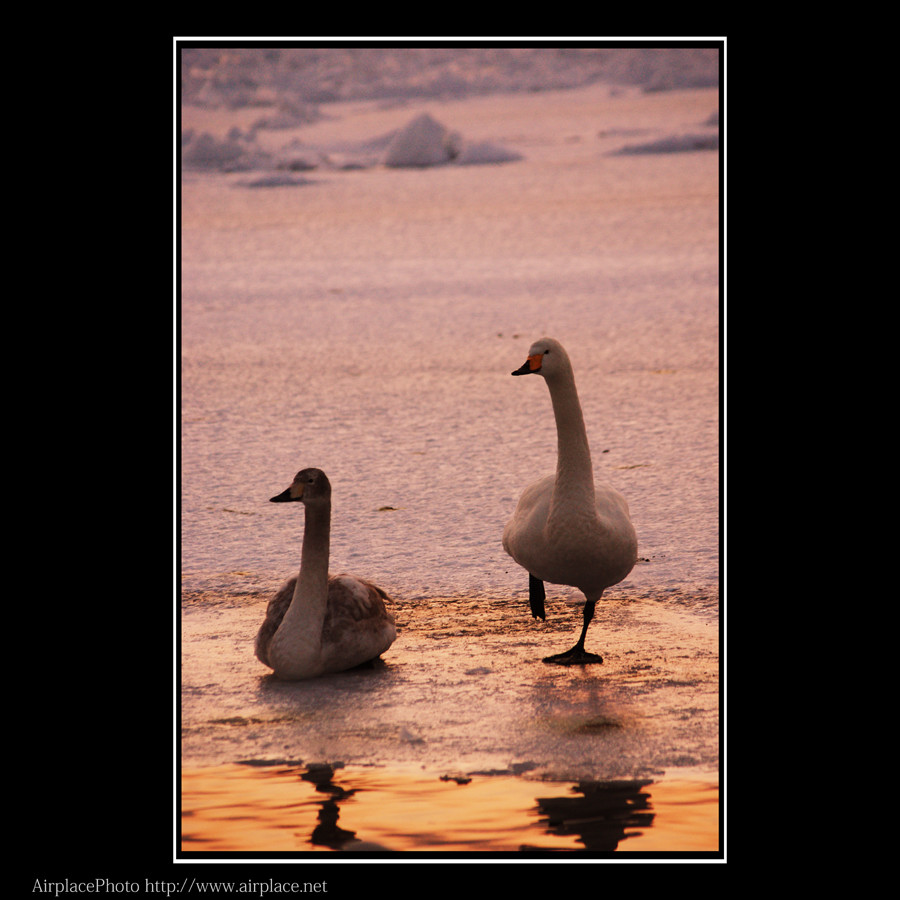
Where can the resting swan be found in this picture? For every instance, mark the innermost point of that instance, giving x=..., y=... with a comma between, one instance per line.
x=566, y=529
x=318, y=623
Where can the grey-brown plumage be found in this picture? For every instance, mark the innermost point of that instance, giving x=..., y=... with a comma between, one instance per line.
x=347, y=610
x=319, y=623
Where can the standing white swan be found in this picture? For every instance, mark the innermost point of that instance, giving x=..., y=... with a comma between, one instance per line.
x=318, y=623
x=566, y=529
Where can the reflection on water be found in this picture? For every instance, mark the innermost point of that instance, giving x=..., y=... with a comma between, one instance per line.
x=600, y=816
x=278, y=809
x=328, y=833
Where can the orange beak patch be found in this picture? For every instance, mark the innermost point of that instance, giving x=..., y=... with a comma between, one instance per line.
x=530, y=366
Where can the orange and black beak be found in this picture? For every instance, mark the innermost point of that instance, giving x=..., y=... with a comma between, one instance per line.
x=532, y=365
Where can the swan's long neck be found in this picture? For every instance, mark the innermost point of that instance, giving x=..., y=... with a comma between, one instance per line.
x=302, y=623
x=574, y=472
x=312, y=582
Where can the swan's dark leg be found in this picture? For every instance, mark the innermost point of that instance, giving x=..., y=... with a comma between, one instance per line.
x=578, y=655
x=536, y=597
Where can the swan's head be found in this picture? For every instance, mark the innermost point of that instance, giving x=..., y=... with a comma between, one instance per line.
x=308, y=486
x=546, y=357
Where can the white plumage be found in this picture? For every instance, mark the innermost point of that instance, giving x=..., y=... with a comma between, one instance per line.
x=566, y=529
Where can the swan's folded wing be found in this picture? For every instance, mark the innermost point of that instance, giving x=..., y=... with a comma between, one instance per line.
x=275, y=611
x=357, y=623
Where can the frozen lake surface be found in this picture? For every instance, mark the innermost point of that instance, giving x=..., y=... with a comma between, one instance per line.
x=364, y=319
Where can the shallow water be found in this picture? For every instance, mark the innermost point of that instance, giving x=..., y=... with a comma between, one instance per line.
x=366, y=322
x=289, y=809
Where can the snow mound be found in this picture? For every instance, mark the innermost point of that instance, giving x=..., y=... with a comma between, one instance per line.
x=678, y=143
x=205, y=151
x=486, y=152
x=422, y=142
x=232, y=153
x=426, y=142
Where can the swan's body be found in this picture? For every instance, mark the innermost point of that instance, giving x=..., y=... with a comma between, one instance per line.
x=319, y=623
x=566, y=529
